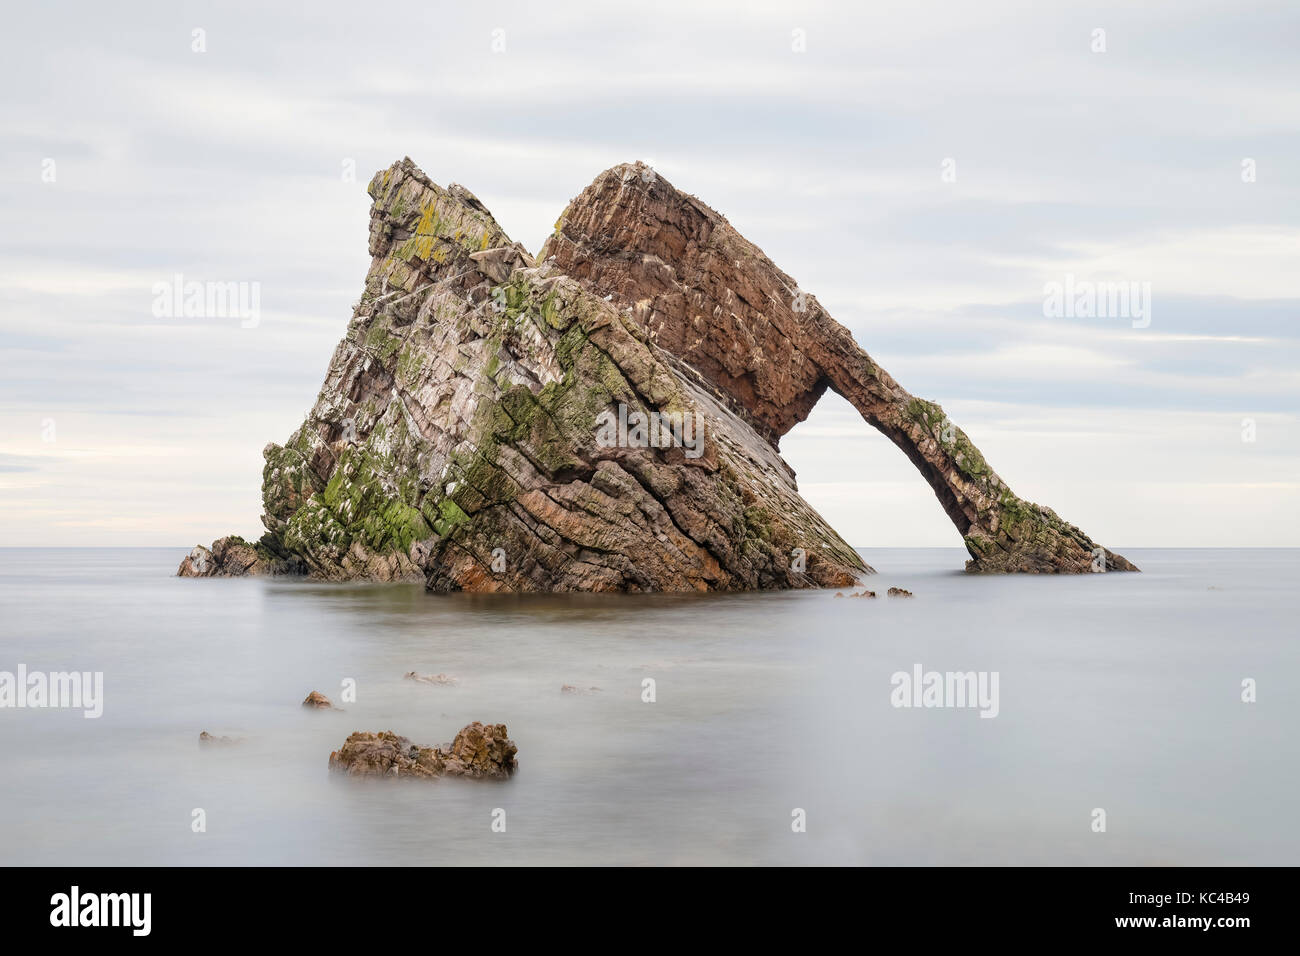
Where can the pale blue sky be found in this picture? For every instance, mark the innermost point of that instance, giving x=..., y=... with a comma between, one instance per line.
x=227, y=165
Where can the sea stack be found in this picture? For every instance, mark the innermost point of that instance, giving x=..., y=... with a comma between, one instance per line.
x=605, y=417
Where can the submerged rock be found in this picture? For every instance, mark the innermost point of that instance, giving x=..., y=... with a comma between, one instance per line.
x=607, y=420
x=207, y=738
x=318, y=701
x=430, y=678
x=479, y=750
x=898, y=592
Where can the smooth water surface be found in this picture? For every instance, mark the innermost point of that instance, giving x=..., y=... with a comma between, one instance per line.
x=1116, y=691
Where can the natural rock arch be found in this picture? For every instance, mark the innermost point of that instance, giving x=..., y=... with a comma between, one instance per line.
x=712, y=298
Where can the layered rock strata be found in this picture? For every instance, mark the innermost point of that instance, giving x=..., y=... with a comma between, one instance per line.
x=714, y=300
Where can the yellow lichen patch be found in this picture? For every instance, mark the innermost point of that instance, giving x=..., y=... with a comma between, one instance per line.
x=427, y=225
x=417, y=247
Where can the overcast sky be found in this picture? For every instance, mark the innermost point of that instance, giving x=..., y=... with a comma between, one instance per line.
x=820, y=130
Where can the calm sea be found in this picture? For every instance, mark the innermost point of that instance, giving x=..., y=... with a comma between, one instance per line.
x=1120, y=693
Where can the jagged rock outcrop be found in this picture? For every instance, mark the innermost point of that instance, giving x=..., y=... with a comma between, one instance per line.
x=483, y=426
x=232, y=556
x=607, y=419
x=479, y=750
x=714, y=300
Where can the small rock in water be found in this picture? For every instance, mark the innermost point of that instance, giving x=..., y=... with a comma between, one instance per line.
x=233, y=557
x=479, y=750
x=571, y=689
x=318, y=700
x=898, y=592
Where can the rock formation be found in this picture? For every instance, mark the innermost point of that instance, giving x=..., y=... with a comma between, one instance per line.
x=606, y=420
x=232, y=556
x=478, y=751
x=714, y=300
x=318, y=701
